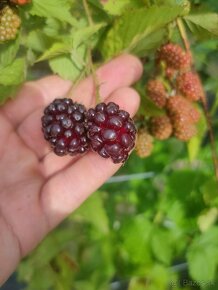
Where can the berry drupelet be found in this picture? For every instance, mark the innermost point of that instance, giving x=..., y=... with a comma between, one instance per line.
x=64, y=127
x=111, y=131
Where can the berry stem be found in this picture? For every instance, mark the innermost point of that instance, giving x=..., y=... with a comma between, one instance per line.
x=182, y=32
x=88, y=14
x=91, y=64
x=203, y=100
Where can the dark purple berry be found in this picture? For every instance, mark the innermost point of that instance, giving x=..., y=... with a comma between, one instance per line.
x=65, y=128
x=111, y=131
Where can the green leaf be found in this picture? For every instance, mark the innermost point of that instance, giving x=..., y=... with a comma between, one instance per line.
x=203, y=256
x=136, y=232
x=115, y=8
x=129, y=31
x=59, y=9
x=161, y=245
x=56, y=49
x=9, y=51
x=84, y=34
x=149, y=43
x=209, y=191
x=38, y=41
x=7, y=92
x=207, y=219
x=14, y=73
x=203, y=22
x=65, y=67
x=93, y=212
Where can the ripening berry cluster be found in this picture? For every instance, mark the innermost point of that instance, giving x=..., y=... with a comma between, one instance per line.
x=175, y=89
x=106, y=129
x=9, y=23
x=9, y=18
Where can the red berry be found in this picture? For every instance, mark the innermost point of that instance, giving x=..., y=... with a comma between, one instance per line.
x=64, y=127
x=184, y=131
x=157, y=93
x=181, y=108
x=174, y=56
x=190, y=86
x=183, y=116
x=160, y=127
x=111, y=131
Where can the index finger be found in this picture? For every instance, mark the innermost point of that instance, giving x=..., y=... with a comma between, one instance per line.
x=126, y=70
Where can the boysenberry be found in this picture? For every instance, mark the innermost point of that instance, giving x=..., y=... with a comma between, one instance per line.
x=111, y=131
x=64, y=127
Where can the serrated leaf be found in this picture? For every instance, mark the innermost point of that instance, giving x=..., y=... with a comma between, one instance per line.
x=84, y=34
x=65, y=67
x=56, y=49
x=204, y=22
x=133, y=27
x=149, y=43
x=203, y=256
x=14, y=73
x=59, y=9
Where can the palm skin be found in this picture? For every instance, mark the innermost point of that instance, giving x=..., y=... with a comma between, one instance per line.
x=37, y=188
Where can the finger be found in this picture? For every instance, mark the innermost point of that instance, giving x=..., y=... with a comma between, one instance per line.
x=68, y=189
x=34, y=95
x=119, y=72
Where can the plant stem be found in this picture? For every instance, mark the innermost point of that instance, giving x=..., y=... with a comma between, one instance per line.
x=91, y=65
x=203, y=100
x=88, y=14
x=182, y=32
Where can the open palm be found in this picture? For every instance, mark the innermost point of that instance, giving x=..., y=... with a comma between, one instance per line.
x=37, y=188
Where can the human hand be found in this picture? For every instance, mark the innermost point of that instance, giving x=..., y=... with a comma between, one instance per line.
x=37, y=188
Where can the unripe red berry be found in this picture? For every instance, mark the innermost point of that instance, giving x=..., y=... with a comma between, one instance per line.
x=144, y=143
x=189, y=85
x=156, y=92
x=174, y=56
x=160, y=127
